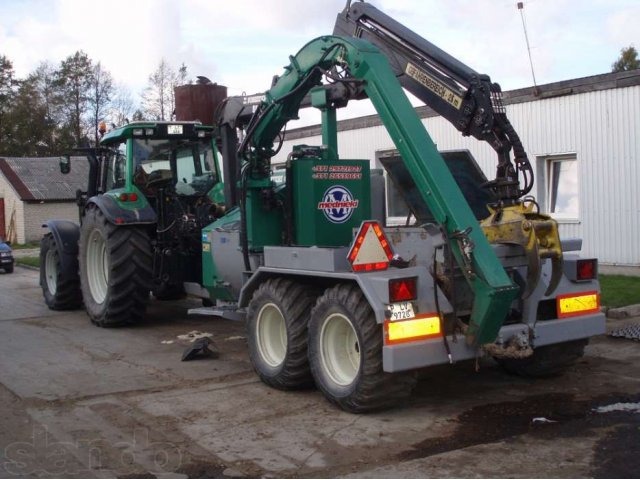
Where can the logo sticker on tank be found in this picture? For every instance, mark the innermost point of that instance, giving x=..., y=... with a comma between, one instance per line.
x=338, y=204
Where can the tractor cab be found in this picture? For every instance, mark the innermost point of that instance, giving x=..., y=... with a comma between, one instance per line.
x=177, y=157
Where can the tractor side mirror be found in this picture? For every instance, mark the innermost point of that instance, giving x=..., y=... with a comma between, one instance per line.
x=65, y=164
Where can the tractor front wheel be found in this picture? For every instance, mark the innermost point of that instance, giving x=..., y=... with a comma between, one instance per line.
x=115, y=270
x=61, y=290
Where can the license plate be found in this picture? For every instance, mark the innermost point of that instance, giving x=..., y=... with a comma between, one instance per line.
x=174, y=129
x=401, y=311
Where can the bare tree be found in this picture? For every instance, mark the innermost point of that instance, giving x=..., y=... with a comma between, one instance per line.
x=158, y=99
x=122, y=106
x=100, y=92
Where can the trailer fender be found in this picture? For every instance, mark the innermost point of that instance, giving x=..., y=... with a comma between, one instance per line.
x=66, y=235
x=117, y=215
x=374, y=286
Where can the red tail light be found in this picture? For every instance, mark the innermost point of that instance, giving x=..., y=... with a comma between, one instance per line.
x=128, y=197
x=586, y=269
x=403, y=289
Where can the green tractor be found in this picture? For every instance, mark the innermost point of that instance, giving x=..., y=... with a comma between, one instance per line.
x=152, y=187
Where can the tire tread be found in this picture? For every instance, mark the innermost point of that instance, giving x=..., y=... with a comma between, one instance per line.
x=374, y=389
x=68, y=294
x=130, y=271
x=295, y=301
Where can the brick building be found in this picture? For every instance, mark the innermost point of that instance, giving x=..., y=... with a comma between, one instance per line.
x=32, y=191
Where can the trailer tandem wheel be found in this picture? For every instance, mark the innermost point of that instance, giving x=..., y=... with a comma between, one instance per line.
x=345, y=353
x=277, y=333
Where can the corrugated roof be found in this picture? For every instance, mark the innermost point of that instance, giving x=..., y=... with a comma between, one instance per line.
x=39, y=179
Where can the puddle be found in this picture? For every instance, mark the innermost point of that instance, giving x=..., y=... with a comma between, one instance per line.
x=619, y=407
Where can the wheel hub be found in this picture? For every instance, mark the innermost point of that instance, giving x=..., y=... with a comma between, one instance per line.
x=272, y=335
x=340, y=349
x=97, y=266
x=51, y=272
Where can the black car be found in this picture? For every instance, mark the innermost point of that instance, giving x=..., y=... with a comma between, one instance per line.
x=6, y=257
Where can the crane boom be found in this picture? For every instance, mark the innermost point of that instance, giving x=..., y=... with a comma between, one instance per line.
x=466, y=98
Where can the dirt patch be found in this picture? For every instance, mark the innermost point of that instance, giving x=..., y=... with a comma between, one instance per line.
x=203, y=470
x=550, y=416
x=617, y=454
x=497, y=421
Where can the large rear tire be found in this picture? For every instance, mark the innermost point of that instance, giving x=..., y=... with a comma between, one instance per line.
x=545, y=361
x=115, y=270
x=277, y=333
x=345, y=353
x=61, y=290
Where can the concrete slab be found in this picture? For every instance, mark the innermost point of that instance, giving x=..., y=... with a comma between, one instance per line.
x=76, y=400
x=62, y=355
x=21, y=296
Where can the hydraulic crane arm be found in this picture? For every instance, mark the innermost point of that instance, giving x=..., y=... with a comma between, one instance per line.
x=467, y=99
x=365, y=68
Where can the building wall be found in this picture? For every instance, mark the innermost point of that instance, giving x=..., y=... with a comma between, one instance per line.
x=36, y=214
x=12, y=207
x=600, y=128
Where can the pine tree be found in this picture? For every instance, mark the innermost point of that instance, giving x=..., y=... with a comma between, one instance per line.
x=100, y=92
x=7, y=92
x=74, y=79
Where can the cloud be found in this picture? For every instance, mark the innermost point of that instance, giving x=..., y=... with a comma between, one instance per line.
x=243, y=44
x=622, y=26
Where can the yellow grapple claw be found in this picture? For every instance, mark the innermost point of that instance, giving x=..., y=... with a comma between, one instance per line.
x=536, y=233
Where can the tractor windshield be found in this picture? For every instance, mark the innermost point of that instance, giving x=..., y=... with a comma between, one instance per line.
x=187, y=165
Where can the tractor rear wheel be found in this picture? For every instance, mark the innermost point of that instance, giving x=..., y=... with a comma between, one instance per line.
x=115, y=270
x=345, y=353
x=61, y=290
x=545, y=361
x=277, y=333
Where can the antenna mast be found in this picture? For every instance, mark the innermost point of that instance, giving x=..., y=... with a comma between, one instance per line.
x=526, y=37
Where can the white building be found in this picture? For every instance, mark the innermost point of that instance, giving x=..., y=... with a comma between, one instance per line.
x=582, y=137
x=32, y=191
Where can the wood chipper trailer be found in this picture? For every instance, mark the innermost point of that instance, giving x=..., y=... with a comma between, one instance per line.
x=330, y=295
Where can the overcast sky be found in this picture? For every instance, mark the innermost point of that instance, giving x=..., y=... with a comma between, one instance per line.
x=243, y=43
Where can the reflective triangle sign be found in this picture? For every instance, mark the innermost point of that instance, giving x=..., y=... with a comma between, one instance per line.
x=370, y=250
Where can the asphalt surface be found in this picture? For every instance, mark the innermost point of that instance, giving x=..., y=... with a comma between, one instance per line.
x=80, y=401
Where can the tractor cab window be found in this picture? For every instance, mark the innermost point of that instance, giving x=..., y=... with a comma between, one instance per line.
x=116, y=167
x=186, y=165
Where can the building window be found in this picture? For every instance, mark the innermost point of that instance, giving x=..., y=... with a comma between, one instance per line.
x=396, y=207
x=562, y=189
